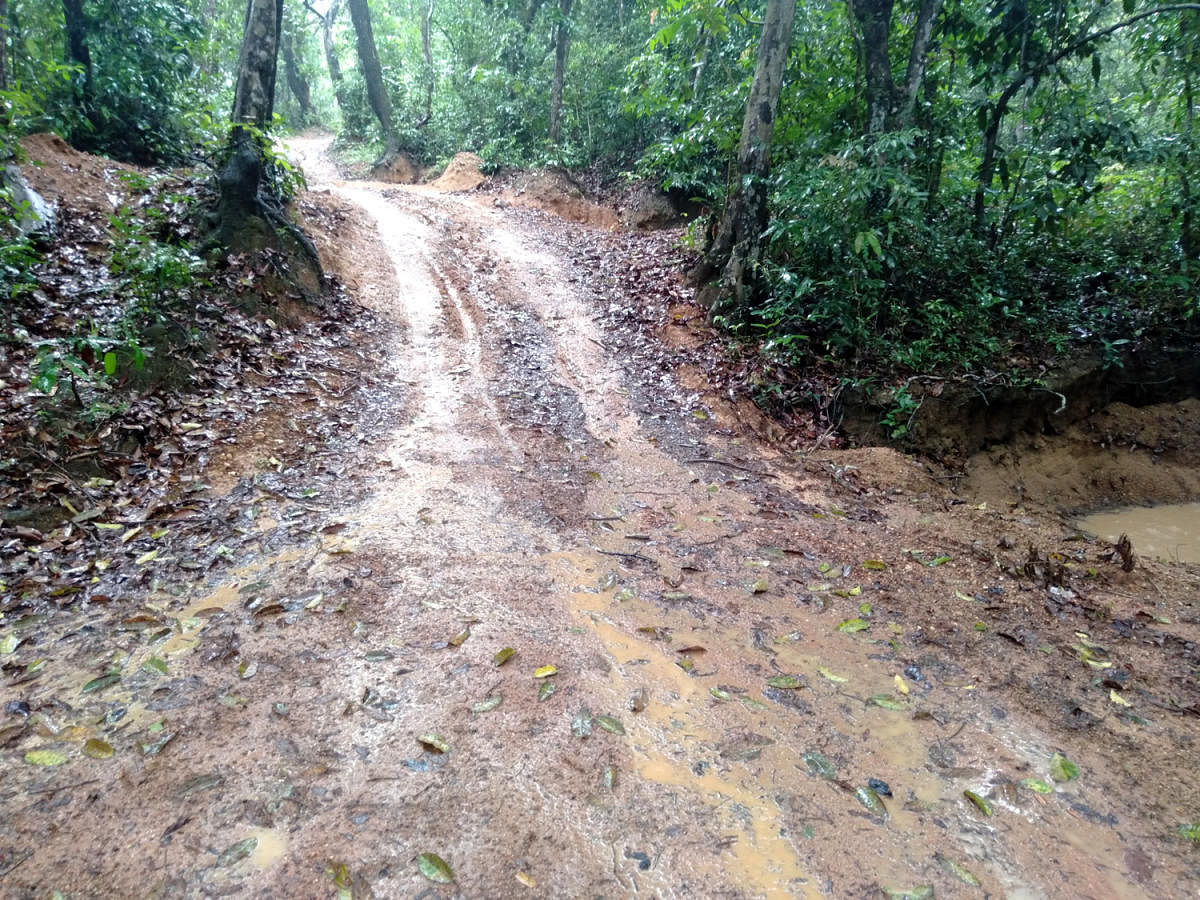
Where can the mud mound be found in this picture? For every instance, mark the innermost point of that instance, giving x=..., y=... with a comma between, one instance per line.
x=646, y=208
x=1121, y=455
x=401, y=170
x=462, y=174
x=56, y=170
x=555, y=191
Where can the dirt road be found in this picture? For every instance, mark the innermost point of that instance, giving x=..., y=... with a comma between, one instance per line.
x=586, y=636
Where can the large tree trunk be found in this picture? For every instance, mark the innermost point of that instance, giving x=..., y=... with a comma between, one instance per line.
x=368, y=56
x=562, y=46
x=253, y=105
x=250, y=214
x=296, y=80
x=737, y=248
x=875, y=19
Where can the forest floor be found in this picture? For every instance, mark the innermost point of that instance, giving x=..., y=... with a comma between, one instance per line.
x=506, y=576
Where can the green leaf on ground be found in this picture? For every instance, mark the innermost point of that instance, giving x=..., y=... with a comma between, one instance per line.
x=435, y=868
x=818, y=764
x=871, y=801
x=45, y=758
x=545, y=671
x=1190, y=831
x=786, y=681
x=546, y=690
x=980, y=803
x=1036, y=785
x=99, y=684
x=849, y=626
x=611, y=725
x=487, y=704
x=503, y=656
x=98, y=749
x=957, y=871
x=1062, y=769
x=886, y=701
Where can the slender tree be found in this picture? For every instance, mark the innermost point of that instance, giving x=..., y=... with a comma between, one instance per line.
x=368, y=57
x=328, y=19
x=297, y=81
x=562, y=46
x=737, y=248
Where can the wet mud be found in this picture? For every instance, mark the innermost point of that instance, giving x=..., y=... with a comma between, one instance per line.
x=774, y=675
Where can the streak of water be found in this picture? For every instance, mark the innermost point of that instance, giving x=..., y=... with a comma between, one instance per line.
x=1169, y=532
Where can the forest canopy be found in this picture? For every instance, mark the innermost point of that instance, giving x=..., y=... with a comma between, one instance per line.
x=943, y=185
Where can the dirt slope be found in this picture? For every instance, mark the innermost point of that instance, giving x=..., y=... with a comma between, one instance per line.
x=743, y=640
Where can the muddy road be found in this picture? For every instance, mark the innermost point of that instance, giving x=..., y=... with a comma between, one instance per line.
x=584, y=634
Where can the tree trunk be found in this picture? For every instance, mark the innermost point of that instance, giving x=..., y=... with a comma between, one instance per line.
x=562, y=46
x=253, y=105
x=3, y=45
x=368, y=56
x=297, y=83
x=328, y=20
x=427, y=52
x=77, y=51
x=902, y=117
x=875, y=19
x=737, y=247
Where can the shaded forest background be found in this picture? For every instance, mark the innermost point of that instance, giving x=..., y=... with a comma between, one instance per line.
x=952, y=186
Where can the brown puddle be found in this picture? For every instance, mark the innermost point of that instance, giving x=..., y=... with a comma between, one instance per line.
x=1170, y=532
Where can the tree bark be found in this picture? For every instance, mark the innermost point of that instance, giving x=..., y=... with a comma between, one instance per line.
x=242, y=175
x=328, y=20
x=368, y=56
x=914, y=76
x=3, y=45
x=427, y=52
x=77, y=50
x=875, y=19
x=296, y=81
x=562, y=46
x=737, y=248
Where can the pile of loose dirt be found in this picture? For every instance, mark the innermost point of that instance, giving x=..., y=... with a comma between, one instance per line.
x=58, y=171
x=401, y=169
x=463, y=174
x=555, y=192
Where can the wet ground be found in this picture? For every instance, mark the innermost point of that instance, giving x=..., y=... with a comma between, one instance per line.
x=575, y=629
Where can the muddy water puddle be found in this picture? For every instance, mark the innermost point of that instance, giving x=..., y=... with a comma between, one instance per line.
x=1170, y=532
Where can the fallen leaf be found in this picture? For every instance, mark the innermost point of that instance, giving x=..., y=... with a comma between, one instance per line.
x=98, y=749
x=825, y=673
x=786, y=681
x=1062, y=769
x=546, y=690
x=849, y=626
x=1037, y=786
x=981, y=804
x=433, y=743
x=581, y=725
x=503, y=656
x=611, y=725
x=435, y=868
x=99, y=684
x=45, y=758
x=874, y=565
x=901, y=685
x=487, y=704
x=526, y=879
x=235, y=853
x=886, y=701
x=545, y=671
